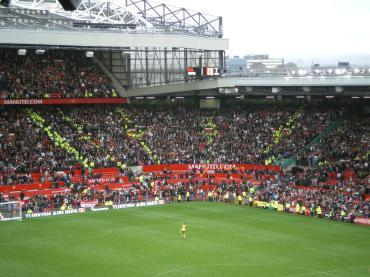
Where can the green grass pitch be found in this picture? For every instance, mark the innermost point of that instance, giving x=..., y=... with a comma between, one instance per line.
x=223, y=240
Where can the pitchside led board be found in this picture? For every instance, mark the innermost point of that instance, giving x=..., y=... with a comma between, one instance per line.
x=203, y=72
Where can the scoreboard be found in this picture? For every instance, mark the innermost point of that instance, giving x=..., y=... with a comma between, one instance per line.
x=201, y=72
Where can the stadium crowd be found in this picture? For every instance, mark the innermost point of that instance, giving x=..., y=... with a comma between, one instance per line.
x=54, y=74
x=344, y=166
x=48, y=140
x=352, y=148
x=330, y=203
x=240, y=134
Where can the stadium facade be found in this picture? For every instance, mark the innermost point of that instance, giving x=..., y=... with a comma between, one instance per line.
x=138, y=43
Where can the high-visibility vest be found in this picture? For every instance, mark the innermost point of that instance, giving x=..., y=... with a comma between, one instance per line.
x=318, y=210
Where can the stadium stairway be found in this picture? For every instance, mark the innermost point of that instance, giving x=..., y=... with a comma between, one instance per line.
x=292, y=161
x=210, y=130
x=279, y=134
x=134, y=131
x=56, y=138
x=84, y=136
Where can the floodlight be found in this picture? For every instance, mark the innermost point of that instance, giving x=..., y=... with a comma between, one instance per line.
x=89, y=54
x=22, y=52
x=302, y=72
x=339, y=71
x=40, y=51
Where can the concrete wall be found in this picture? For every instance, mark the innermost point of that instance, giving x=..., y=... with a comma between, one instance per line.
x=106, y=39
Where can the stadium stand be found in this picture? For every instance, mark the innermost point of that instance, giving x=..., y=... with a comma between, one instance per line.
x=151, y=134
x=310, y=202
x=53, y=74
x=181, y=135
x=352, y=151
x=60, y=157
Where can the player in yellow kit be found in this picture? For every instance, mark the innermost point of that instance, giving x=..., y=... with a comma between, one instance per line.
x=183, y=230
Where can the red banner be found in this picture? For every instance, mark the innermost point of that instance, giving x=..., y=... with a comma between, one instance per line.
x=169, y=167
x=114, y=171
x=32, y=186
x=67, y=101
x=209, y=167
x=45, y=192
x=101, y=180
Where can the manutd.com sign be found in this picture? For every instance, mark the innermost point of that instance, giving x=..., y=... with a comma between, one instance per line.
x=22, y=102
x=226, y=167
x=118, y=100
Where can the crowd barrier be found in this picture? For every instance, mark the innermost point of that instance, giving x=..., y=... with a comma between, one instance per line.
x=93, y=209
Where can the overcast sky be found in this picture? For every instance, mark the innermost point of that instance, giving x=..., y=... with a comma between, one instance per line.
x=311, y=30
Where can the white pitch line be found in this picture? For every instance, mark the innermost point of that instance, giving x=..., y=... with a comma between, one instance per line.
x=310, y=271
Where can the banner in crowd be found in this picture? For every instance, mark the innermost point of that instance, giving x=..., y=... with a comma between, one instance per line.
x=101, y=180
x=208, y=167
x=139, y=204
x=52, y=213
x=65, y=101
x=88, y=203
x=362, y=220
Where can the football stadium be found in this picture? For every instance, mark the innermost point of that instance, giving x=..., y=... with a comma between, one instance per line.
x=132, y=144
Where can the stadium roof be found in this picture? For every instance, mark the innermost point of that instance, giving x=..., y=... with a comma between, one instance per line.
x=132, y=15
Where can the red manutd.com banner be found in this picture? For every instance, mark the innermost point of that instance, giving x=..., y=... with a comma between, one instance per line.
x=68, y=101
x=206, y=167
